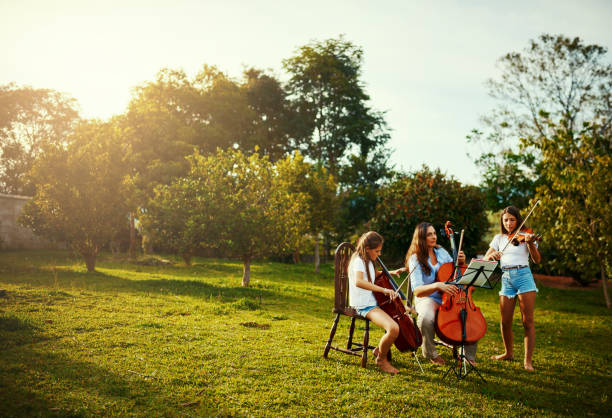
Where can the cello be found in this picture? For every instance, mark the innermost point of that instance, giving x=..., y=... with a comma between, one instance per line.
x=459, y=309
x=409, y=338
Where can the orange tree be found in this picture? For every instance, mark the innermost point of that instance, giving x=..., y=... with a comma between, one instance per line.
x=80, y=191
x=576, y=203
x=319, y=190
x=428, y=196
x=230, y=201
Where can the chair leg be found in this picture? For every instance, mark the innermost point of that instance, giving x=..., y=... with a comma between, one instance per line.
x=366, y=340
x=349, y=344
x=331, y=336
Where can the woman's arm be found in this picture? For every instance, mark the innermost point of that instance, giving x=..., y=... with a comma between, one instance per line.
x=428, y=289
x=533, y=249
x=492, y=255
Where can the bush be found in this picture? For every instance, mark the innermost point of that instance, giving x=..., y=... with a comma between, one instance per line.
x=429, y=196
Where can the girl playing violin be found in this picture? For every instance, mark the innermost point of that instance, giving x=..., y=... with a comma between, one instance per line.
x=361, y=282
x=517, y=280
x=425, y=257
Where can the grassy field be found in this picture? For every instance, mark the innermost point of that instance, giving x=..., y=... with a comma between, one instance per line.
x=190, y=341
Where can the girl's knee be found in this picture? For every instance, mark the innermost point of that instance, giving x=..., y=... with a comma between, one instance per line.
x=528, y=324
x=393, y=330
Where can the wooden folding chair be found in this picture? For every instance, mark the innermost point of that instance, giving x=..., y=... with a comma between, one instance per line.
x=342, y=259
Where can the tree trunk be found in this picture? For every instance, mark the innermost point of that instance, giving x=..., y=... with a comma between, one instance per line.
x=317, y=261
x=246, y=271
x=604, y=285
x=296, y=257
x=145, y=244
x=132, y=251
x=90, y=262
x=186, y=258
x=325, y=247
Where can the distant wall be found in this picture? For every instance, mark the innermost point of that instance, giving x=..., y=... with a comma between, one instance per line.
x=14, y=236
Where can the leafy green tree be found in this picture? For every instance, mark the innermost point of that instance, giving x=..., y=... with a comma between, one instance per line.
x=428, y=196
x=576, y=202
x=360, y=181
x=555, y=78
x=326, y=90
x=319, y=189
x=79, y=196
x=276, y=129
x=161, y=129
x=229, y=201
x=30, y=121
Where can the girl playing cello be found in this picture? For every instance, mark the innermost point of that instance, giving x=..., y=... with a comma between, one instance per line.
x=517, y=280
x=361, y=282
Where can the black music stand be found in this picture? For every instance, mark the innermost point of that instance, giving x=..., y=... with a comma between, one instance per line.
x=480, y=273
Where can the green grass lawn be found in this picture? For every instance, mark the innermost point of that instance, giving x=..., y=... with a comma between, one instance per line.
x=190, y=341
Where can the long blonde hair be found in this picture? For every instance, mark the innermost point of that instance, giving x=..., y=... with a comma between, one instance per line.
x=418, y=246
x=368, y=241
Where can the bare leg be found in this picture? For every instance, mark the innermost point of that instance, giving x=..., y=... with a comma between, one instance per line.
x=506, y=308
x=527, y=303
x=380, y=318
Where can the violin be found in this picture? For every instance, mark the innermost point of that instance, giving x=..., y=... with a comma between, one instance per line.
x=522, y=235
x=410, y=337
x=458, y=320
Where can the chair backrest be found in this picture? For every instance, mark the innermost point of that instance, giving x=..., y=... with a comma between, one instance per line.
x=342, y=258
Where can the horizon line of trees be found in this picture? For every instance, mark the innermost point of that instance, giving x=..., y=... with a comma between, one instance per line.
x=314, y=141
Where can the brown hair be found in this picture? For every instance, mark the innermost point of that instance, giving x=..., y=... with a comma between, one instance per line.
x=512, y=211
x=418, y=246
x=368, y=241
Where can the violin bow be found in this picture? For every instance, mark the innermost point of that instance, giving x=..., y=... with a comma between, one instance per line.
x=521, y=225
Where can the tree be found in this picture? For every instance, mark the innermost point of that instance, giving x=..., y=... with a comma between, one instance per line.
x=555, y=78
x=79, y=196
x=229, y=201
x=428, y=196
x=30, y=121
x=576, y=201
x=276, y=129
x=325, y=88
x=319, y=190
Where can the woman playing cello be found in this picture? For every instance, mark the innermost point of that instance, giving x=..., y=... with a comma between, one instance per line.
x=424, y=258
x=517, y=280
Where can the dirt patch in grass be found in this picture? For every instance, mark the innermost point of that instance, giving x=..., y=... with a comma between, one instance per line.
x=564, y=282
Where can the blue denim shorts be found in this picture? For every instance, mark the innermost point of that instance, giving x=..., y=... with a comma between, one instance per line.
x=517, y=281
x=364, y=311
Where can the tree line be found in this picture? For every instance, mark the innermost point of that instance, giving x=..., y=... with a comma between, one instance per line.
x=203, y=162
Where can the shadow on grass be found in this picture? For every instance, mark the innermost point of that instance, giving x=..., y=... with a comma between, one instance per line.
x=565, y=382
x=282, y=299
x=26, y=374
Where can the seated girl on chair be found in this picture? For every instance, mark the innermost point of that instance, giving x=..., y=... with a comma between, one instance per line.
x=361, y=282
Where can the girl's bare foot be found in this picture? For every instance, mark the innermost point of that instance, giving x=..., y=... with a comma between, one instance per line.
x=385, y=366
x=529, y=367
x=504, y=356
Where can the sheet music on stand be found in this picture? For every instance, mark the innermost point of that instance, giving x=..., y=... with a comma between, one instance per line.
x=481, y=273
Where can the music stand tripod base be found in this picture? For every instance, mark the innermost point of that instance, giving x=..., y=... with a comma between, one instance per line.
x=461, y=366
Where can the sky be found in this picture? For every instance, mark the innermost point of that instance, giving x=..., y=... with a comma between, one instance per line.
x=425, y=63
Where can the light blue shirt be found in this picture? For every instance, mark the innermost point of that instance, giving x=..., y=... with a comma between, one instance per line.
x=419, y=278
